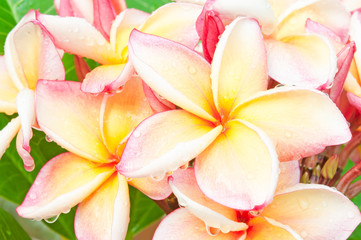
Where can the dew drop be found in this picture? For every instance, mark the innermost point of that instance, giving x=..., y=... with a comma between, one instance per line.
x=324, y=204
x=255, y=213
x=158, y=178
x=350, y=215
x=182, y=204
x=136, y=134
x=212, y=231
x=48, y=139
x=32, y=196
x=191, y=70
x=288, y=134
x=129, y=179
x=52, y=219
x=185, y=166
x=169, y=173
x=304, y=234
x=66, y=211
x=303, y=204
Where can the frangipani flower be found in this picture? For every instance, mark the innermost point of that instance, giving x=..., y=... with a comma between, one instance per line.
x=94, y=129
x=297, y=212
x=309, y=58
x=29, y=55
x=228, y=122
x=175, y=21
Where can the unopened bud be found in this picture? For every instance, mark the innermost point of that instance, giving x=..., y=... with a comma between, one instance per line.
x=305, y=178
x=330, y=168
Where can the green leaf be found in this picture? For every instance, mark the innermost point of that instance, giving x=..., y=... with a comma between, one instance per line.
x=10, y=228
x=143, y=212
x=146, y=5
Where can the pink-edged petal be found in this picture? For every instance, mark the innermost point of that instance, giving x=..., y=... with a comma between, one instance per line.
x=25, y=102
x=81, y=67
x=104, y=15
x=240, y=168
x=156, y=190
x=74, y=122
x=63, y=8
x=353, y=80
x=344, y=59
x=164, y=142
x=315, y=211
x=177, y=73
x=77, y=36
x=289, y=175
x=156, y=102
x=355, y=35
x=30, y=41
x=122, y=26
x=99, y=79
x=328, y=13
x=24, y=153
x=351, y=5
x=354, y=100
x=8, y=133
x=291, y=117
x=105, y=213
x=175, y=21
x=8, y=90
x=266, y=228
x=228, y=10
x=190, y=196
x=239, y=66
x=313, y=27
x=181, y=224
x=62, y=183
x=309, y=59
x=122, y=112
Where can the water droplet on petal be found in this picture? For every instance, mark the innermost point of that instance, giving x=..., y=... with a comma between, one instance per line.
x=129, y=179
x=48, y=139
x=351, y=215
x=185, y=166
x=192, y=70
x=212, y=231
x=66, y=211
x=52, y=219
x=288, y=134
x=324, y=204
x=136, y=134
x=169, y=173
x=255, y=213
x=32, y=196
x=304, y=234
x=158, y=177
x=303, y=204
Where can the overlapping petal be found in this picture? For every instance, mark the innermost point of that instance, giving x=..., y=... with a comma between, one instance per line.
x=175, y=21
x=110, y=205
x=76, y=126
x=314, y=211
x=289, y=175
x=122, y=113
x=329, y=13
x=239, y=66
x=355, y=35
x=175, y=72
x=8, y=90
x=164, y=142
x=240, y=168
x=77, y=36
x=62, y=183
x=8, y=133
x=156, y=190
x=30, y=41
x=190, y=196
x=181, y=224
x=265, y=228
x=300, y=122
x=309, y=59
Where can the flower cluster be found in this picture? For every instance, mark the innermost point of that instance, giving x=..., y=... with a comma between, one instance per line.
x=245, y=111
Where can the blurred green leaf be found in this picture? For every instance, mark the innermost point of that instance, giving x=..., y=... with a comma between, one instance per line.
x=10, y=228
x=143, y=212
x=146, y=5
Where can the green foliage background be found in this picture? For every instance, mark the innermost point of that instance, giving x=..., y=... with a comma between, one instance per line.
x=15, y=181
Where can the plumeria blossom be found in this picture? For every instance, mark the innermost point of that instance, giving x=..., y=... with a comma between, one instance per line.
x=94, y=129
x=309, y=58
x=297, y=212
x=29, y=55
x=227, y=121
x=175, y=21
